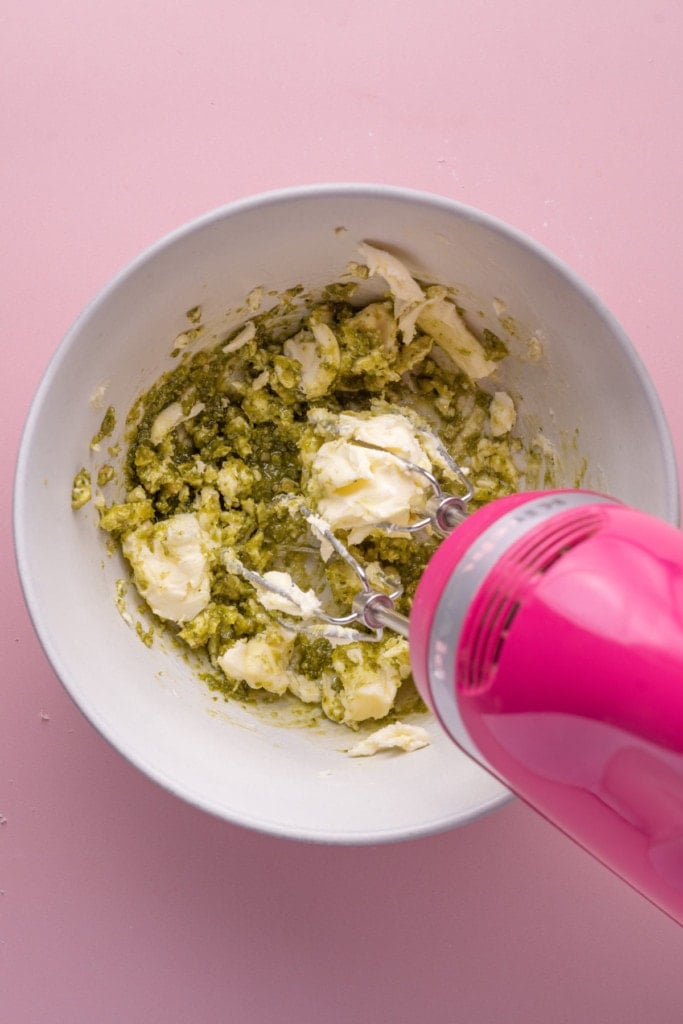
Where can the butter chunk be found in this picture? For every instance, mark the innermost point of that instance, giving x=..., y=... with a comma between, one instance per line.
x=356, y=487
x=317, y=355
x=235, y=480
x=370, y=675
x=442, y=322
x=397, y=736
x=502, y=413
x=247, y=334
x=170, y=418
x=170, y=562
x=261, y=661
x=436, y=315
x=289, y=598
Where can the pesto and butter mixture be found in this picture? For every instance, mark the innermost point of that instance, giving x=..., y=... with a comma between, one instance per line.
x=227, y=446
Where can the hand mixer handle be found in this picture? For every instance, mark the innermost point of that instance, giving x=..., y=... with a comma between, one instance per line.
x=547, y=634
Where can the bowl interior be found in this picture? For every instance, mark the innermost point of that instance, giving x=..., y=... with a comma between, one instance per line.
x=277, y=768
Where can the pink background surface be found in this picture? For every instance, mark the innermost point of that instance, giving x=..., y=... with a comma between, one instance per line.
x=121, y=121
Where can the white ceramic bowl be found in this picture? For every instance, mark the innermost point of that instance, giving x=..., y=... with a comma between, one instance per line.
x=589, y=393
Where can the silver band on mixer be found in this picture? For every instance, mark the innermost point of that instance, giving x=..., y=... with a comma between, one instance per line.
x=461, y=589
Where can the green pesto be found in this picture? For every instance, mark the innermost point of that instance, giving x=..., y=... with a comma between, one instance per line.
x=121, y=518
x=493, y=346
x=81, y=489
x=580, y=477
x=104, y=475
x=312, y=656
x=249, y=447
x=510, y=325
x=106, y=427
x=146, y=635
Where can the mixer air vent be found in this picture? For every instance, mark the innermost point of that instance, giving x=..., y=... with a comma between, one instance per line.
x=503, y=589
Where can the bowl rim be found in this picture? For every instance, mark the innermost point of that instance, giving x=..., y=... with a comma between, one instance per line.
x=339, y=190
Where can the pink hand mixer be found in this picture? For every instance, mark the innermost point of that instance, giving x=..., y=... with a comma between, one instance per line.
x=546, y=634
